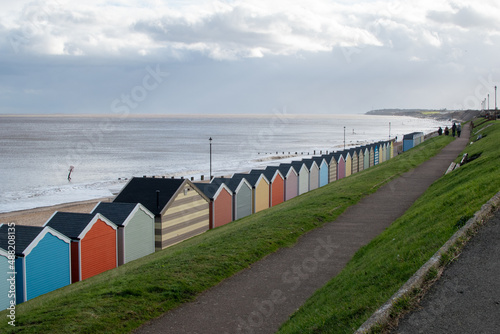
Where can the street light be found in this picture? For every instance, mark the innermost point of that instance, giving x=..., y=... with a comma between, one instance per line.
x=495, y=97
x=389, y=130
x=210, y=177
x=344, y=138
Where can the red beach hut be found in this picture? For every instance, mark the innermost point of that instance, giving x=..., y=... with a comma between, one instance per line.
x=93, y=242
x=221, y=202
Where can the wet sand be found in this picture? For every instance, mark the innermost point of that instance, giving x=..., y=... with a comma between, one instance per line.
x=38, y=216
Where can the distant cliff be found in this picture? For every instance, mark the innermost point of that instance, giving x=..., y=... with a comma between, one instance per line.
x=443, y=114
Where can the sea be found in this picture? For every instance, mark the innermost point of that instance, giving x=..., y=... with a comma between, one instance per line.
x=104, y=152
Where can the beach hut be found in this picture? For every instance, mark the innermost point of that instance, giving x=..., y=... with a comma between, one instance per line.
x=221, y=202
x=323, y=170
x=361, y=159
x=260, y=190
x=339, y=157
x=391, y=152
x=136, y=229
x=411, y=140
x=332, y=166
x=241, y=194
x=303, y=173
x=181, y=210
x=7, y=280
x=381, y=154
x=366, y=157
x=291, y=180
x=372, y=155
x=348, y=162
x=313, y=173
x=277, y=185
x=94, y=246
x=355, y=160
x=376, y=154
x=42, y=260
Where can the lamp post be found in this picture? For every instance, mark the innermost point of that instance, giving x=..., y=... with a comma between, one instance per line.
x=389, y=130
x=210, y=140
x=344, y=138
x=496, y=102
x=488, y=101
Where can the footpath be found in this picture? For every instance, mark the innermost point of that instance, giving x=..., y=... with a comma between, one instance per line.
x=261, y=298
x=466, y=299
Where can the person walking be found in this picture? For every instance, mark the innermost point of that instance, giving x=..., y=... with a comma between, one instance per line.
x=459, y=129
x=453, y=129
x=440, y=131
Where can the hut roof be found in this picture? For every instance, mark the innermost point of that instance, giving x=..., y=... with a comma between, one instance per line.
x=116, y=212
x=24, y=237
x=69, y=223
x=144, y=190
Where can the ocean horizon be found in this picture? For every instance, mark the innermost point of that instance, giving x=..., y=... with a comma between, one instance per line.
x=107, y=150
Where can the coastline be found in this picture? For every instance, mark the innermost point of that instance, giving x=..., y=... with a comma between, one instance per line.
x=38, y=216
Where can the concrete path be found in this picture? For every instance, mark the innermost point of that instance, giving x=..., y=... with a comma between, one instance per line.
x=466, y=299
x=262, y=297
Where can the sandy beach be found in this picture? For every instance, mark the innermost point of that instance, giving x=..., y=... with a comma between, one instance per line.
x=38, y=216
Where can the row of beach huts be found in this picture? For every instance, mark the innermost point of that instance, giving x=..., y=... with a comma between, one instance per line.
x=153, y=213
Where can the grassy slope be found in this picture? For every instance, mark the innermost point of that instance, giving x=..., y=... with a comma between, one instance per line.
x=378, y=270
x=121, y=299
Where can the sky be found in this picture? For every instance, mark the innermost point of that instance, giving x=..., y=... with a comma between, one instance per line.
x=246, y=57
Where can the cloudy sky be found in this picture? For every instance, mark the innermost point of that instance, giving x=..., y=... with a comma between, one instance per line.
x=193, y=56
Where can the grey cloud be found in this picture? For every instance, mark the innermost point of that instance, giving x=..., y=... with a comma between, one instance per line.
x=465, y=17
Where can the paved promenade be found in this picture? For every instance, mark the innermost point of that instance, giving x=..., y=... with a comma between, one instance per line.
x=466, y=299
x=262, y=297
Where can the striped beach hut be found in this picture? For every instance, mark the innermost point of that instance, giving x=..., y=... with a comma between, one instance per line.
x=181, y=210
x=303, y=173
x=277, y=186
x=7, y=280
x=355, y=160
x=332, y=166
x=372, y=155
x=341, y=166
x=291, y=180
x=361, y=159
x=241, y=194
x=94, y=246
x=42, y=260
x=221, y=202
x=323, y=170
x=348, y=162
x=376, y=153
x=313, y=173
x=260, y=190
x=136, y=229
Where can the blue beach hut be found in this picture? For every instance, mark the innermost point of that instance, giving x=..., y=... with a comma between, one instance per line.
x=7, y=280
x=323, y=170
x=42, y=260
x=332, y=166
x=375, y=154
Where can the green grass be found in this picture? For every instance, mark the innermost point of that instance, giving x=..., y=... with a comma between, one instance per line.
x=380, y=268
x=119, y=300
